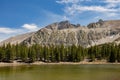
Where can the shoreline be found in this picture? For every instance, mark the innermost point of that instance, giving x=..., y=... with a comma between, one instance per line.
x=2, y=64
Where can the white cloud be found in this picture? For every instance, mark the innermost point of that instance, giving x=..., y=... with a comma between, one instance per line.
x=7, y=30
x=30, y=27
x=70, y=1
x=78, y=9
x=112, y=14
x=112, y=1
x=103, y=8
x=67, y=1
x=5, y=36
x=95, y=8
x=65, y=18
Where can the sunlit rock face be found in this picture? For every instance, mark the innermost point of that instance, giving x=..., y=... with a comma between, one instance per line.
x=68, y=34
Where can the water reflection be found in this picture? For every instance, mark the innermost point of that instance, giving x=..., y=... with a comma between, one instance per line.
x=61, y=72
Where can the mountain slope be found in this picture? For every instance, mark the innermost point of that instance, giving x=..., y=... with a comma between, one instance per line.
x=66, y=33
x=17, y=39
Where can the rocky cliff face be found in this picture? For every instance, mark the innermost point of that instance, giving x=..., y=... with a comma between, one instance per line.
x=66, y=33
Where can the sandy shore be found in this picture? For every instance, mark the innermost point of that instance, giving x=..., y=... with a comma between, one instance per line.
x=73, y=63
x=43, y=63
x=11, y=64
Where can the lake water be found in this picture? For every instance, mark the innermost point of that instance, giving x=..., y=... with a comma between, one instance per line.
x=61, y=72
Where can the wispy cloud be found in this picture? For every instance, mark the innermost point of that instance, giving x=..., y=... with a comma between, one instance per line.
x=67, y=1
x=51, y=17
x=106, y=9
x=24, y=28
x=112, y=1
x=75, y=9
x=30, y=27
x=6, y=32
x=70, y=1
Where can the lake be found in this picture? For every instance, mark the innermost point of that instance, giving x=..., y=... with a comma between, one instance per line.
x=61, y=72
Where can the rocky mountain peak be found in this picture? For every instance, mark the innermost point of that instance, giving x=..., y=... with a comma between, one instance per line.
x=105, y=24
x=66, y=33
x=98, y=24
x=61, y=25
x=53, y=26
x=65, y=25
x=64, y=22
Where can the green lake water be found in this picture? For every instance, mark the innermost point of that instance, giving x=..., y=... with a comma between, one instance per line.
x=61, y=72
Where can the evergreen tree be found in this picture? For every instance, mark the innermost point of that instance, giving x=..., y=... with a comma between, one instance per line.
x=112, y=57
x=1, y=54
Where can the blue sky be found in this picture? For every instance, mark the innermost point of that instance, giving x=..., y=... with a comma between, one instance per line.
x=22, y=16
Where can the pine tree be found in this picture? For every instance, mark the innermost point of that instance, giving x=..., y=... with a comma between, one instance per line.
x=1, y=54
x=112, y=56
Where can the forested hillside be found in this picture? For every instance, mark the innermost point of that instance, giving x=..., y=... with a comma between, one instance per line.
x=22, y=53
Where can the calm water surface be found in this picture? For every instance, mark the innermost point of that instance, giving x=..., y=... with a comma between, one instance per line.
x=61, y=72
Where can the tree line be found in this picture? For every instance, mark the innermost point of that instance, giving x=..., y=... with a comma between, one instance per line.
x=59, y=53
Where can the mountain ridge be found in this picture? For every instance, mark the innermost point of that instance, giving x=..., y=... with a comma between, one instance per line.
x=68, y=34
